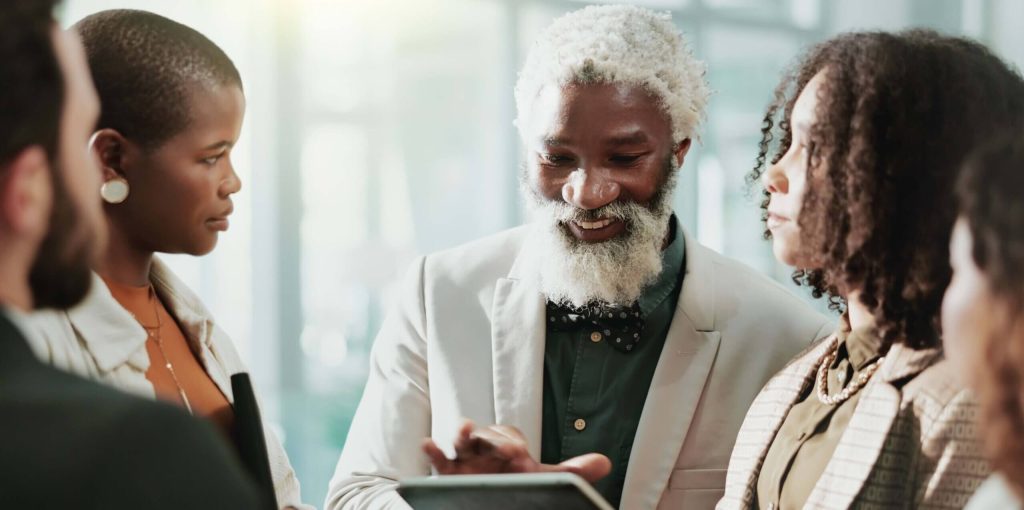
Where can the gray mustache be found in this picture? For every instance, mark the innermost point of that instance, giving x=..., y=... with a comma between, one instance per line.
x=623, y=211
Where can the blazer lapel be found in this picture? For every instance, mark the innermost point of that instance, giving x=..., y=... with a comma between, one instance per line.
x=763, y=421
x=676, y=389
x=517, y=337
x=869, y=429
x=683, y=368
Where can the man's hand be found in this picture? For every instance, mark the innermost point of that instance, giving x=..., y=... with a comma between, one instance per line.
x=502, y=449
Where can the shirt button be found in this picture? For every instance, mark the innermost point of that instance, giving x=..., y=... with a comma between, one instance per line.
x=580, y=424
x=596, y=337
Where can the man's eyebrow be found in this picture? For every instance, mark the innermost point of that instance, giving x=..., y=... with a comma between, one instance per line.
x=627, y=139
x=554, y=141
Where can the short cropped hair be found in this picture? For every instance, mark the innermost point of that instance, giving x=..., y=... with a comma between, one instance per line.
x=31, y=80
x=618, y=44
x=144, y=66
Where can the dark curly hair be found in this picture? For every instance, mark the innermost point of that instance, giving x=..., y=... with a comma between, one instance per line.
x=144, y=66
x=991, y=200
x=896, y=116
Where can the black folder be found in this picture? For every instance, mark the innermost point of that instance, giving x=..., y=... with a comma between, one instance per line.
x=252, y=445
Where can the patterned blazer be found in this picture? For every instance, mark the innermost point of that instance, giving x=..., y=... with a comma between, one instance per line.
x=911, y=442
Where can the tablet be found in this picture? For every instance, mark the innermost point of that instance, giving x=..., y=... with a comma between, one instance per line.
x=564, y=491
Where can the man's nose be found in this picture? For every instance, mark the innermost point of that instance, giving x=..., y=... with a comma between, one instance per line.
x=590, y=189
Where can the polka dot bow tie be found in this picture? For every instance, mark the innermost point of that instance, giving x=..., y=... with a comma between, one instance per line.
x=619, y=326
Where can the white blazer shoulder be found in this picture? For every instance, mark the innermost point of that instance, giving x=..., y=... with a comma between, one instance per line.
x=467, y=340
x=100, y=340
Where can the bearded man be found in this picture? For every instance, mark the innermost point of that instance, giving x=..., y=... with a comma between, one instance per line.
x=600, y=338
x=67, y=442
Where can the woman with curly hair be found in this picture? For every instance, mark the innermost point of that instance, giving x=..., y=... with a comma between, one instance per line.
x=983, y=311
x=872, y=131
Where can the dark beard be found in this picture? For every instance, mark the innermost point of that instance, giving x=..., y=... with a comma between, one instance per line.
x=61, y=274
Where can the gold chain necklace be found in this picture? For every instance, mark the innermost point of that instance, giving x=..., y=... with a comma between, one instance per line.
x=849, y=391
x=154, y=333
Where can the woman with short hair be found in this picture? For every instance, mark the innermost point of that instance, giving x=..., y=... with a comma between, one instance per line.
x=172, y=107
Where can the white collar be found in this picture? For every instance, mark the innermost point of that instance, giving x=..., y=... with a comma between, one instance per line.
x=113, y=336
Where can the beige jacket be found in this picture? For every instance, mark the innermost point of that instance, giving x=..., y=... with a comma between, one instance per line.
x=910, y=444
x=467, y=339
x=100, y=340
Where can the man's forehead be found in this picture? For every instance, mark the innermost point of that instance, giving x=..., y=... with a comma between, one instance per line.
x=615, y=113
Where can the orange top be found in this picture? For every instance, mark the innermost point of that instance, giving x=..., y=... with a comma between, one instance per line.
x=204, y=397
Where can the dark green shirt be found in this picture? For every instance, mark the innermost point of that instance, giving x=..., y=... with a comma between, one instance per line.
x=594, y=393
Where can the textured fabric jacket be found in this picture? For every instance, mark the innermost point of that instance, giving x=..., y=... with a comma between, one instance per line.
x=467, y=340
x=100, y=340
x=910, y=444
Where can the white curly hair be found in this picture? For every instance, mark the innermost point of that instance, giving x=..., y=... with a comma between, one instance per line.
x=618, y=44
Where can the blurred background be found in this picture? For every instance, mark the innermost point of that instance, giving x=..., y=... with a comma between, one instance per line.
x=379, y=130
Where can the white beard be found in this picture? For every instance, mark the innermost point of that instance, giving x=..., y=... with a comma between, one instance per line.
x=616, y=271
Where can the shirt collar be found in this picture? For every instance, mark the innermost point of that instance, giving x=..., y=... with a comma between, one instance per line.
x=114, y=337
x=862, y=345
x=671, y=264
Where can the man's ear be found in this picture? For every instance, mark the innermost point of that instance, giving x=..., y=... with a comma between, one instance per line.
x=108, y=146
x=26, y=191
x=680, y=151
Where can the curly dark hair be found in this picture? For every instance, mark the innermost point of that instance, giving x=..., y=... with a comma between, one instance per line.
x=896, y=116
x=990, y=198
x=144, y=66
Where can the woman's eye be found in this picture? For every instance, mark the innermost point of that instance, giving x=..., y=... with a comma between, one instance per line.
x=212, y=160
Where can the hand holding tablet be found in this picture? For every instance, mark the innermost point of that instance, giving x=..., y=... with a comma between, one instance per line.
x=493, y=468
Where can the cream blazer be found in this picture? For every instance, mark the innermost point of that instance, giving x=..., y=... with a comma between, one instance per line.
x=911, y=442
x=467, y=339
x=100, y=340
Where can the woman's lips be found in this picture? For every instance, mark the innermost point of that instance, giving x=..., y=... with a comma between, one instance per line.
x=220, y=224
x=776, y=220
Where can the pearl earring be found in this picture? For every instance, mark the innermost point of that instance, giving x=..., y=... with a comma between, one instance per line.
x=115, y=190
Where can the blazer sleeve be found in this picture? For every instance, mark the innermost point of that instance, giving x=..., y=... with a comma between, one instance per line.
x=393, y=416
x=952, y=463
x=164, y=459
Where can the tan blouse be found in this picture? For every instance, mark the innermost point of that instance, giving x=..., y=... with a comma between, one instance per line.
x=809, y=435
x=174, y=368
